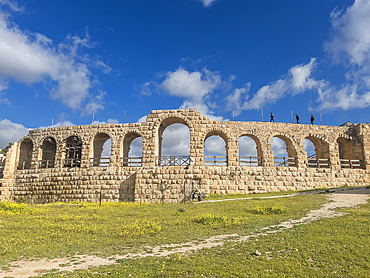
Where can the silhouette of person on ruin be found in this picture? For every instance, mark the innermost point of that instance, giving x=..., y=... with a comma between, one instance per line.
x=312, y=119
x=297, y=118
x=272, y=117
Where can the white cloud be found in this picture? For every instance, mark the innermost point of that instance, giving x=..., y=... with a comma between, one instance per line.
x=192, y=85
x=13, y=5
x=298, y=80
x=215, y=145
x=247, y=146
x=207, y=3
x=58, y=124
x=11, y=132
x=31, y=58
x=345, y=98
x=351, y=34
x=176, y=140
x=234, y=100
x=350, y=45
x=278, y=146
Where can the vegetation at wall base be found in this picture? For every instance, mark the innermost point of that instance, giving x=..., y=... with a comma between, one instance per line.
x=335, y=247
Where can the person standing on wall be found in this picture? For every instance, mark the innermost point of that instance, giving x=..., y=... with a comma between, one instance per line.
x=297, y=118
x=272, y=117
x=312, y=119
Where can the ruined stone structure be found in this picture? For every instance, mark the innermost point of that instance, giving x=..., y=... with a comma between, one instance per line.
x=66, y=163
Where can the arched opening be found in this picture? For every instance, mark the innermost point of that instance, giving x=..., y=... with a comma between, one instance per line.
x=73, y=152
x=102, y=146
x=49, y=149
x=350, y=153
x=284, y=151
x=317, y=152
x=250, y=151
x=215, y=149
x=25, y=154
x=132, y=150
x=174, y=143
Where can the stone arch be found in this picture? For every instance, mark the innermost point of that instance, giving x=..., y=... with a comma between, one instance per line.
x=98, y=159
x=258, y=156
x=49, y=150
x=73, y=151
x=166, y=121
x=25, y=154
x=321, y=156
x=225, y=136
x=292, y=157
x=126, y=158
x=350, y=152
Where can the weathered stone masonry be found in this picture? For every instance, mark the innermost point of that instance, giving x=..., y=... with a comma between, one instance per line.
x=65, y=163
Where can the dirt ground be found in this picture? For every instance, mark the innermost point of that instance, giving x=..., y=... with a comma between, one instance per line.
x=336, y=199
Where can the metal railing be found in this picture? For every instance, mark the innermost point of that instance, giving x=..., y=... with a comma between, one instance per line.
x=133, y=161
x=215, y=160
x=46, y=164
x=24, y=165
x=285, y=161
x=72, y=162
x=100, y=162
x=318, y=163
x=350, y=164
x=173, y=161
x=251, y=161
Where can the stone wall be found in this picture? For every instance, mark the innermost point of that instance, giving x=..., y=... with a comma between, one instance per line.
x=40, y=167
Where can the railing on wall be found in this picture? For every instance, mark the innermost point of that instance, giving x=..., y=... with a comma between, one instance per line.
x=350, y=164
x=24, y=165
x=251, y=161
x=133, y=161
x=100, y=162
x=46, y=164
x=72, y=162
x=215, y=160
x=285, y=161
x=318, y=163
x=173, y=161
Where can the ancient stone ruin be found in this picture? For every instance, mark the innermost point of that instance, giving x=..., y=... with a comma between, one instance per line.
x=66, y=164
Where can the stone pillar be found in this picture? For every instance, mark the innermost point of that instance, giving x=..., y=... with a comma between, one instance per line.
x=232, y=152
x=334, y=156
x=301, y=156
x=59, y=155
x=268, y=156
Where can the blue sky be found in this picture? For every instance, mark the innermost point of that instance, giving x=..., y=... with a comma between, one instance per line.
x=67, y=61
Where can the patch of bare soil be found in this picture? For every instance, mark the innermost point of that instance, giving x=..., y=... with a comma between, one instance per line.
x=339, y=199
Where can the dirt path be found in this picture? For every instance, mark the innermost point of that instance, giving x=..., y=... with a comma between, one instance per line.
x=338, y=199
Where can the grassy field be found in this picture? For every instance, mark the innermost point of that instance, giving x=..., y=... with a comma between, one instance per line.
x=329, y=247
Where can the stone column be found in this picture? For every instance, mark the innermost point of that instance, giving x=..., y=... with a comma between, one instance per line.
x=334, y=156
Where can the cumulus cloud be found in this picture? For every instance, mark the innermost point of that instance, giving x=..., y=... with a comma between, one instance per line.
x=345, y=98
x=30, y=58
x=215, y=145
x=192, y=85
x=176, y=140
x=207, y=3
x=11, y=132
x=351, y=34
x=195, y=87
x=297, y=81
x=350, y=46
x=278, y=147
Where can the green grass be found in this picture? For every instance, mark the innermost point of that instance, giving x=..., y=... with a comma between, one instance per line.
x=58, y=230
x=337, y=247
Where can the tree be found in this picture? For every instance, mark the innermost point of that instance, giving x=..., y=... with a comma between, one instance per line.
x=6, y=149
